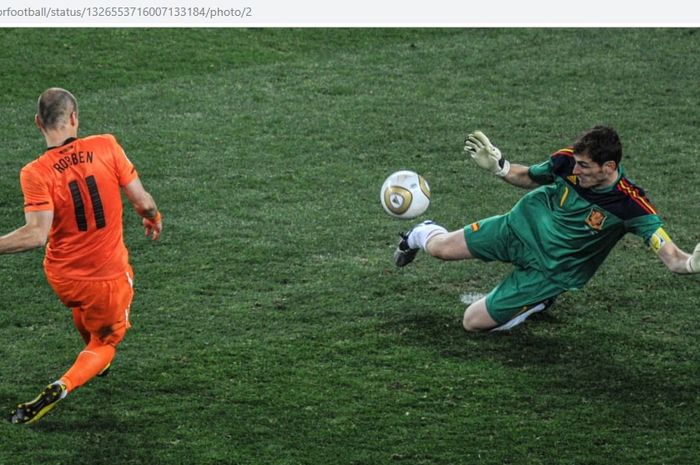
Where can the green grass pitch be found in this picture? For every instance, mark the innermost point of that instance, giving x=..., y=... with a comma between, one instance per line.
x=270, y=326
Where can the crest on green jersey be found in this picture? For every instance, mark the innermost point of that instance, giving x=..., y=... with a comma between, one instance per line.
x=595, y=219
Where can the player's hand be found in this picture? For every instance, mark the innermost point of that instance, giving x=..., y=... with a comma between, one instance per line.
x=694, y=260
x=488, y=157
x=153, y=226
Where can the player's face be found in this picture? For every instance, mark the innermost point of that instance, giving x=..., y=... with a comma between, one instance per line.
x=592, y=175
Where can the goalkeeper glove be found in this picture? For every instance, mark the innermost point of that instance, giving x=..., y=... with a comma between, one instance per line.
x=485, y=154
x=693, y=264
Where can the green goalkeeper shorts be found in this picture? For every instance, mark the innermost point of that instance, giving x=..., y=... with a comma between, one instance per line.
x=492, y=239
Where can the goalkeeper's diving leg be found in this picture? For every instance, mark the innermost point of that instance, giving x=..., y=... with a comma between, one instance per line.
x=434, y=240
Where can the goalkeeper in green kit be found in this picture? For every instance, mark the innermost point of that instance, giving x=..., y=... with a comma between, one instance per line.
x=556, y=235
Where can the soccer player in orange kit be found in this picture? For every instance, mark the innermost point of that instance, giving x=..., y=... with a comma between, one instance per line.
x=72, y=197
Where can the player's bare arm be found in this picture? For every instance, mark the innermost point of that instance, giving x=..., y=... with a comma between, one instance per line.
x=145, y=206
x=519, y=175
x=30, y=236
x=679, y=261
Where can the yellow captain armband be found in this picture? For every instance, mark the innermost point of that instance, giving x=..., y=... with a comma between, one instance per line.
x=658, y=240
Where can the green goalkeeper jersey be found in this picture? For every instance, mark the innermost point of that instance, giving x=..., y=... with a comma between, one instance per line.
x=570, y=229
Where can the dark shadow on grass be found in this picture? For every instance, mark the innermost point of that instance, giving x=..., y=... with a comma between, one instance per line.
x=582, y=365
x=96, y=432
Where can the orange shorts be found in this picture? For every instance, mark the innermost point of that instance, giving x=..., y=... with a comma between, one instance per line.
x=103, y=305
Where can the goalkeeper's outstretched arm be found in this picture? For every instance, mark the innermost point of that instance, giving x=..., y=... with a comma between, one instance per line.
x=678, y=261
x=519, y=175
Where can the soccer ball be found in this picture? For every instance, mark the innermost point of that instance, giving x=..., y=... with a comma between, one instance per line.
x=405, y=194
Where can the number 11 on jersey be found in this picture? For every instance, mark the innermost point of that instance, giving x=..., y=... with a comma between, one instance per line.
x=79, y=204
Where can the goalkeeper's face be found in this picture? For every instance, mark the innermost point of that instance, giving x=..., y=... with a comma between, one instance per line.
x=591, y=175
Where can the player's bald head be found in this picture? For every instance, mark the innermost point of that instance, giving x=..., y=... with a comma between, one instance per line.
x=55, y=107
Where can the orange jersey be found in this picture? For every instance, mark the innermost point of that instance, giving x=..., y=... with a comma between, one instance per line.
x=81, y=181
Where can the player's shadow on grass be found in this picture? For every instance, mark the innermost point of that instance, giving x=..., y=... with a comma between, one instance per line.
x=110, y=437
x=583, y=365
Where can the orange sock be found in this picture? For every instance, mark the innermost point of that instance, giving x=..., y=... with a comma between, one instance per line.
x=90, y=361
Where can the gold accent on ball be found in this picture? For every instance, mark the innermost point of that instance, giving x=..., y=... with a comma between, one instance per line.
x=424, y=186
x=404, y=193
